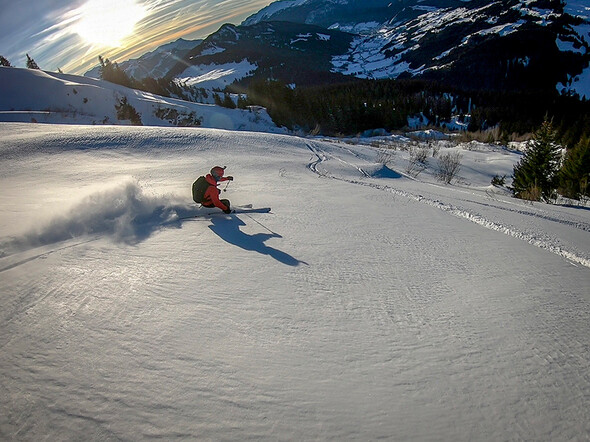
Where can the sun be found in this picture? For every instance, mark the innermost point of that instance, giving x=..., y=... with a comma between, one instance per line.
x=108, y=22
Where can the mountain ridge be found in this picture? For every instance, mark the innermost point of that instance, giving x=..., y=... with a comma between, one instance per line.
x=508, y=45
x=284, y=50
x=156, y=63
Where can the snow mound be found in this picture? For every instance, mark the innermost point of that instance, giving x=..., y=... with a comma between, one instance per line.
x=125, y=212
x=429, y=134
x=380, y=171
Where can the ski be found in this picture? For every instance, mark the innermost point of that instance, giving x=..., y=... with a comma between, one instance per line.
x=235, y=211
x=250, y=210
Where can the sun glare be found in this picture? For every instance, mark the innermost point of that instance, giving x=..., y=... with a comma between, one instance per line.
x=108, y=22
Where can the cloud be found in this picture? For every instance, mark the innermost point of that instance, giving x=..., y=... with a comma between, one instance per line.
x=49, y=29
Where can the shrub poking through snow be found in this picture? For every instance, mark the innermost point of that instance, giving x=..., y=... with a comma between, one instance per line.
x=499, y=180
x=178, y=118
x=449, y=165
x=127, y=112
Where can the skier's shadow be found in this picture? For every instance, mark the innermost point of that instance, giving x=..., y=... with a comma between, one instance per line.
x=229, y=231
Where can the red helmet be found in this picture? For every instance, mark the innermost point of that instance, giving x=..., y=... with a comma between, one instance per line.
x=217, y=172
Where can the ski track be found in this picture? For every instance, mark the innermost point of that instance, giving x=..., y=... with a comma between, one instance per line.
x=321, y=157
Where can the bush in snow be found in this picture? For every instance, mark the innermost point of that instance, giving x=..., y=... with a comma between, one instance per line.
x=385, y=156
x=419, y=154
x=535, y=175
x=499, y=180
x=178, y=118
x=417, y=161
x=227, y=101
x=435, y=149
x=448, y=166
x=127, y=112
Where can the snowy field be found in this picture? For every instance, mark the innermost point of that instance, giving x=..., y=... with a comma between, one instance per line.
x=367, y=305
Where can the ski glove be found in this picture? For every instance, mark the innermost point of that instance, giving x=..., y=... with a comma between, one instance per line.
x=230, y=178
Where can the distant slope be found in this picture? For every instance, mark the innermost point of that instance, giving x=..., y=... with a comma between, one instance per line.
x=30, y=95
x=154, y=64
x=474, y=44
x=292, y=52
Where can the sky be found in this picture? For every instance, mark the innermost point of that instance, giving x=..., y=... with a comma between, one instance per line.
x=71, y=34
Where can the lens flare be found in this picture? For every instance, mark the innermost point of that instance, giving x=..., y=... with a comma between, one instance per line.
x=108, y=22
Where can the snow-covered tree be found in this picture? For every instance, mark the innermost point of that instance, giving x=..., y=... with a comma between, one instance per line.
x=4, y=61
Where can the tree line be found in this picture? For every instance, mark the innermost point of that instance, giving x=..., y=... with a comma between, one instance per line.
x=31, y=64
x=110, y=71
x=351, y=108
x=348, y=109
x=543, y=173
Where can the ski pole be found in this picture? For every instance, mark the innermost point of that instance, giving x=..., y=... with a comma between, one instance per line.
x=259, y=223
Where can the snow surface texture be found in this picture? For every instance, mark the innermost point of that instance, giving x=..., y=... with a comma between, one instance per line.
x=367, y=305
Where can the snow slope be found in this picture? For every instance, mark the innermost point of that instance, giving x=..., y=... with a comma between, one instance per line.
x=29, y=95
x=579, y=84
x=154, y=64
x=215, y=76
x=367, y=304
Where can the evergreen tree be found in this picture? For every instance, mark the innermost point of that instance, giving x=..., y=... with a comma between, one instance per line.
x=242, y=102
x=112, y=72
x=228, y=101
x=31, y=64
x=4, y=61
x=574, y=176
x=535, y=175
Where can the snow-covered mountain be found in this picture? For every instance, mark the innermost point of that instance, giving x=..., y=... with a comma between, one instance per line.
x=511, y=44
x=154, y=64
x=293, y=52
x=346, y=13
x=31, y=95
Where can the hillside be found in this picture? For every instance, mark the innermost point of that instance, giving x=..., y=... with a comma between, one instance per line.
x=156, y=63
x=368, y=305
x=30, y=95
x=293, y=53
x=516, y=46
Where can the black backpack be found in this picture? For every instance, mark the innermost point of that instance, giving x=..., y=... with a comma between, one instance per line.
x=199, y=188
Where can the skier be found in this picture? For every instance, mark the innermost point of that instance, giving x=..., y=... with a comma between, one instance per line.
x=205, y=189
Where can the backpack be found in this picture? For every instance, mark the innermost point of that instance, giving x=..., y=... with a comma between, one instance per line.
x=200, y=186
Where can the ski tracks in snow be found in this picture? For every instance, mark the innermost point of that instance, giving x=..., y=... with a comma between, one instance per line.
x=318, y=166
